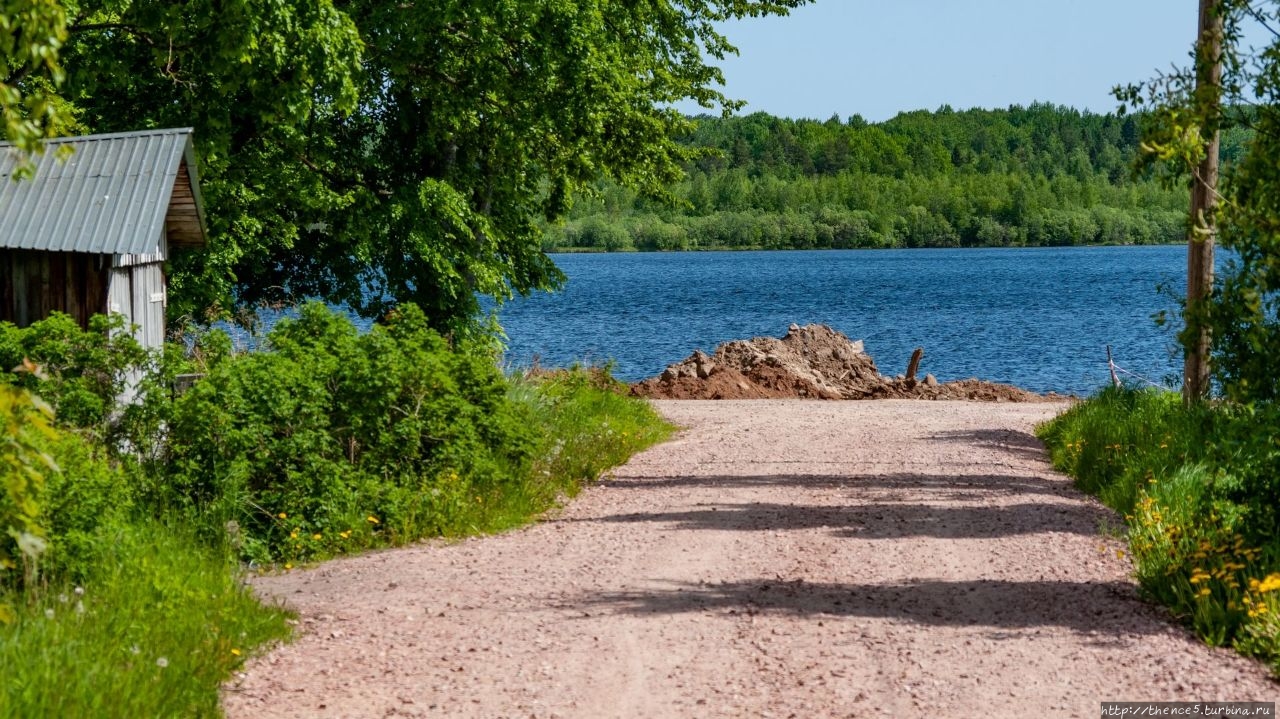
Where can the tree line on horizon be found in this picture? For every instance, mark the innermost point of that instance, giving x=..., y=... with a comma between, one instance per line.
x=1042, y=175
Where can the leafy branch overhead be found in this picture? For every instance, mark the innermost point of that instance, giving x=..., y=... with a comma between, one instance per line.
x=1243, y=310
x=376, y=153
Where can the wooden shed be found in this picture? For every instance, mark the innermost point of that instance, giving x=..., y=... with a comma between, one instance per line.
x=89, y=234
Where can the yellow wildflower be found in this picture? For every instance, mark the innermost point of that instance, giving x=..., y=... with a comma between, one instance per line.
x=372, y=519
x=235, y=652
x=282, y=515
x=317, y=536
x=1270, y=584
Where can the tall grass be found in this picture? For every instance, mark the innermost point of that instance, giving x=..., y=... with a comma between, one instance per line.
x=153, y=631
x=1197, y=489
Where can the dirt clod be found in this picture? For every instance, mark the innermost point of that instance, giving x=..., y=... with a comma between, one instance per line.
x=810, y=362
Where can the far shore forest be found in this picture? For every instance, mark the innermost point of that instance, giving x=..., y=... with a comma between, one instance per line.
x=1043, y=175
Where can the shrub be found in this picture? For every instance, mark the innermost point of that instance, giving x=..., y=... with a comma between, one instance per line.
x=23, y=467
x=58, y=492
x=83, y=374
x=333, y=436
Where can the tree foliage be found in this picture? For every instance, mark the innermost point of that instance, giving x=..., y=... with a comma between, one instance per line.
x=1037, y=175
x=31, y=33
x=374, y=153
x=1244, y=308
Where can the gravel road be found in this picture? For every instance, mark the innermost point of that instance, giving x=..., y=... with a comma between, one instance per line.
x=776, y=559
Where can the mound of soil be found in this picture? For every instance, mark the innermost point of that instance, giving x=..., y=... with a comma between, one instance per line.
x=810, y=362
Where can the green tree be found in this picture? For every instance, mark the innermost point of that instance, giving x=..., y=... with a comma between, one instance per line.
x=480, y=120
x=1185, y=119
x=31, y=34
x=374, y=153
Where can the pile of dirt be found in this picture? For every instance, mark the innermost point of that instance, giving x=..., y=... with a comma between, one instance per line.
x=810, y=362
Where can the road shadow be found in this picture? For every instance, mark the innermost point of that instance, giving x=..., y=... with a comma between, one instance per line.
x=1100, y=607
x=885, y=520
x=941, y=485
x=1023, y=445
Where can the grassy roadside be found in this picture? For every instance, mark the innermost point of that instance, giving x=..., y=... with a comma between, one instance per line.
x=153, y=630
x=1198, y=490
x=139, y=606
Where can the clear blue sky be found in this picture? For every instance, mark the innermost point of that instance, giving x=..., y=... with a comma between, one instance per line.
x=880, y=57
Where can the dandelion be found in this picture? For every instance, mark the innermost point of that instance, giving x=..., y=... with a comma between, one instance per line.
x=282, y=515
x=1270, y=584
x=62, y=598
x=162, y=662
x=235, y=652
x=79, y=591
x=1204, y=592
x=288, y=565
x=48, y=613
x=346, y=534
x=372, y=519
x=1119, y=554
x=317, y=536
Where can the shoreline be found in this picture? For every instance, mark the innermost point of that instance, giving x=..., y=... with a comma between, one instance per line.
x=727, y=248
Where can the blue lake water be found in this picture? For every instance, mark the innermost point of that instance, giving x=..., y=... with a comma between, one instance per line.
x=1037, y=318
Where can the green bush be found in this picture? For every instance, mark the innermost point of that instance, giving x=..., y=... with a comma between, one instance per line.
x=59, y=493
x=85, y=497
x=24, y=422
x=333, y=436
x=83, y=374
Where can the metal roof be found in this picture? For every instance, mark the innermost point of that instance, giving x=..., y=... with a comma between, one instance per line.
x=112, y=195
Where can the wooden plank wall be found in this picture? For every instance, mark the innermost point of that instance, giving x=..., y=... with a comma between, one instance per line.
x=182, y=218
x=34, y=284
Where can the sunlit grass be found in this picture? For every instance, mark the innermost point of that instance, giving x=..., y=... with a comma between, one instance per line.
x=1174, y=473
x=152, y=632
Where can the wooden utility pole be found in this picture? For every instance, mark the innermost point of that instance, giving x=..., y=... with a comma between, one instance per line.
x=1204, y=188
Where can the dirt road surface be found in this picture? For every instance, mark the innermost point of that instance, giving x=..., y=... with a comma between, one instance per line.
x=777, y=559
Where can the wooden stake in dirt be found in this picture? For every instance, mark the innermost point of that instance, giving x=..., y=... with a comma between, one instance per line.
x=914, y=364
x=1203, y=202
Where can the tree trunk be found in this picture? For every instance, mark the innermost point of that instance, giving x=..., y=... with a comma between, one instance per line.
x=1203, y=203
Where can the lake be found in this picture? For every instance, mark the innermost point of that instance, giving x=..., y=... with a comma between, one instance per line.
x=1037, y=318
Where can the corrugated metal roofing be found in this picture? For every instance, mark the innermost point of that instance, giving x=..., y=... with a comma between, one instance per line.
x=109, y=197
